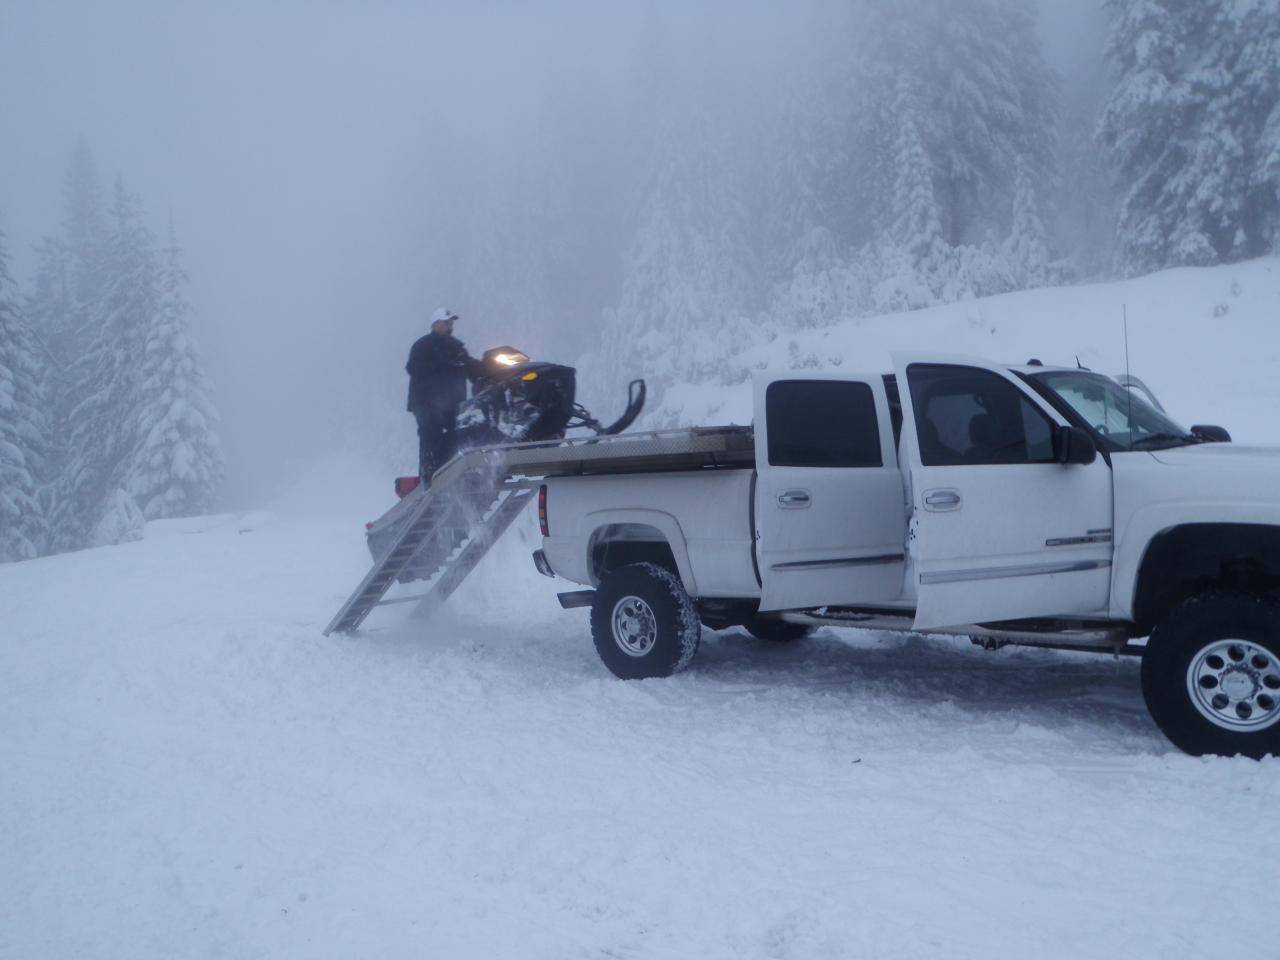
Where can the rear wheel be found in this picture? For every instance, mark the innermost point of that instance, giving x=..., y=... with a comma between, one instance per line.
x=1211, y=675
x=777, y=631
x=643, y=622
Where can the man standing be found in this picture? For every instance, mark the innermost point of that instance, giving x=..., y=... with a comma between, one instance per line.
x=439, y=367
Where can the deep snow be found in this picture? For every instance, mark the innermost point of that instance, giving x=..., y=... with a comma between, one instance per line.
x=1205, y=340
x=189, y=769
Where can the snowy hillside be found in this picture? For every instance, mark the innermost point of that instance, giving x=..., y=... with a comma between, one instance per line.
x=192, y=770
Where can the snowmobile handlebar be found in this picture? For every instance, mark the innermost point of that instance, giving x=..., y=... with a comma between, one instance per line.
x=636, y=393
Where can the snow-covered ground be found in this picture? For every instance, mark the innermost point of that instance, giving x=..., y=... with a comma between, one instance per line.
x=188, y=768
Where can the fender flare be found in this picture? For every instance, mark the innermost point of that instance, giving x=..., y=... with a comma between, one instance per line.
x=664, y=523
x=1147, y=523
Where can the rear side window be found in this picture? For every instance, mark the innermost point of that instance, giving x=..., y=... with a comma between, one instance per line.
x=822, y=423
x=965, y=415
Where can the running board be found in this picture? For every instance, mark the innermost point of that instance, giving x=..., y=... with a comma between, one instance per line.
x=1099, y=639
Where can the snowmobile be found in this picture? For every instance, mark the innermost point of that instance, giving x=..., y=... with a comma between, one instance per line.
x=515, y=399
x=520, y=400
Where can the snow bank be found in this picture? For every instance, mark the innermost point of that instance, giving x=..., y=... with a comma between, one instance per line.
x=1205, y=340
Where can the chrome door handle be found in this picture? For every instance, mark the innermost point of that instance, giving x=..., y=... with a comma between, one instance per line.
x=794, y=498
x=942, y=500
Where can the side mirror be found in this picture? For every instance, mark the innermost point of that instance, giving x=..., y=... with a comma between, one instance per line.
x=1074, y=445
x=1210, y=434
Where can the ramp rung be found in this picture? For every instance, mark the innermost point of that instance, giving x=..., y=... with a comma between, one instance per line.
x=387, y=602
x=458, y=568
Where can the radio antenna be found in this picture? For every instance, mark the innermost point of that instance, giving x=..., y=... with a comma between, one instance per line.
x=1128, y=380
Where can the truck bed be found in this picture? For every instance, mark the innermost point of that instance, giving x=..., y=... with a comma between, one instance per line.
x=694, y=448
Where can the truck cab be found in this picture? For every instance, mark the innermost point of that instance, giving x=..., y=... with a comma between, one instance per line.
x=967, y=497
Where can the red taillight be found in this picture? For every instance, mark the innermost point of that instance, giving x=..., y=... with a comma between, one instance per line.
x=542, y=510
x=406, y=486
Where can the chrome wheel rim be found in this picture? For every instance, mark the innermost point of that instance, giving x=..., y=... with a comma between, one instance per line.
x=635, y=628
x=1235, y=684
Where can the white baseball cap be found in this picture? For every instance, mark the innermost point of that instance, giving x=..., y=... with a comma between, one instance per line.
x=442, y=314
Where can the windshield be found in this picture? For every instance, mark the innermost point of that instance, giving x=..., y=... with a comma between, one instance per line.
x=1124, y=420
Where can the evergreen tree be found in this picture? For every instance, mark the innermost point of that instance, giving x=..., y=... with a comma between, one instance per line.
x=176, y=466
x=689, y=277
x=83, y=246
x=63, y=308
x=814, y=216
x=1259, y=97
x=915, y=224
x=1084, y=202
x=928, y=141
x=90, y=509
x=913, y=260
x=984, y=98
x=1187, y=129
x=1027, y=248
x=22, y=429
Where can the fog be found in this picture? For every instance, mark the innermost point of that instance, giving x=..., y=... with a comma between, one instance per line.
x=335, y=171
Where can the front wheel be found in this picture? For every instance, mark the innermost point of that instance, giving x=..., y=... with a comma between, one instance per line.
x=643, y=622
x=1211, y=675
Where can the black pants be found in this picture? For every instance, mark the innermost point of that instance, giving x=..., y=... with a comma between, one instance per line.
x=436, y=439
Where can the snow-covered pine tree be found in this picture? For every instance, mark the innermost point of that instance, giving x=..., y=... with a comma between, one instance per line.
x=84, y=238
x=49, y=301
x=1268, y=172
x=23, y=530
x=1186, y=127
x=812, y=216
x=1026, y=250
x=689, y=278
x=176, y=466
x=984, y=96
x=1259, y=94
x=950, y=92
x=61, y=307
x=93, y=507
x=914, y=259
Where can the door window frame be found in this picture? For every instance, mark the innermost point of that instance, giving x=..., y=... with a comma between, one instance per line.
x=1029, y=399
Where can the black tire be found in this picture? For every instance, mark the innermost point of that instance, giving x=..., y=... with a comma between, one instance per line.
x=777, y=631
x=1211, y=675
x=643, y=622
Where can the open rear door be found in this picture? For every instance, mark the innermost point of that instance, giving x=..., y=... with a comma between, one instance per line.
x=1000, y=530
x=830, y=509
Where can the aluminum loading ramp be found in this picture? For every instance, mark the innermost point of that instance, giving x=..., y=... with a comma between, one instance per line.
x=475, y=497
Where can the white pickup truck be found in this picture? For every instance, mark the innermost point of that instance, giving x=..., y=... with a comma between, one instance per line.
x=1010, y=504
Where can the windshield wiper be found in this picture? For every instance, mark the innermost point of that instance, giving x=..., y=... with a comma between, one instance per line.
x=1170, y=438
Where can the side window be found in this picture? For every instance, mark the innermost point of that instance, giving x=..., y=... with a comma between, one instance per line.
x=822, y=423
x=965, y=415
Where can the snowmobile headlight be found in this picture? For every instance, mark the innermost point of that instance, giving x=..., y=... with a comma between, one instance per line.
x=530, y=376
x=506, y=359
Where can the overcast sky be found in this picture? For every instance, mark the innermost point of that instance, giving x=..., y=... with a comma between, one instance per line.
x=295, y=145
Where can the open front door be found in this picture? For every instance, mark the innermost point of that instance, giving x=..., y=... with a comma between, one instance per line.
x=999, y=529
x=830, y=511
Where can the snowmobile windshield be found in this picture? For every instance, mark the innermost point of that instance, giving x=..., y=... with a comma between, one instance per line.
x=1121, y=418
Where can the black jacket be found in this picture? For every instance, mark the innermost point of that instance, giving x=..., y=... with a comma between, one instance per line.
x=439, y=367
